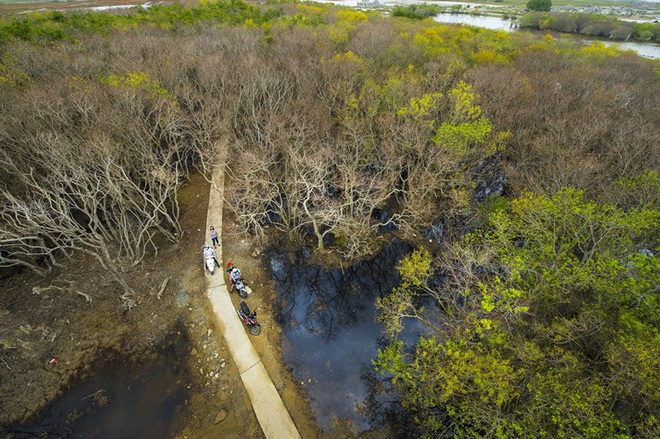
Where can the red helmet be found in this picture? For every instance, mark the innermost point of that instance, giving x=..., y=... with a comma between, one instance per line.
x=229, y=264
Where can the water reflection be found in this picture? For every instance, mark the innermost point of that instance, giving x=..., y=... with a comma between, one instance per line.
x=121, y=401
x=329, y=331
x=645, y=50
x=485, y=21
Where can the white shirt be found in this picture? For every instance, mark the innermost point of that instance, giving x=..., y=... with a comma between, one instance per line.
x=235, y=273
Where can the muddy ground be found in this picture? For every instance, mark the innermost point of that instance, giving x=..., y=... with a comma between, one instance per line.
x=60, y=324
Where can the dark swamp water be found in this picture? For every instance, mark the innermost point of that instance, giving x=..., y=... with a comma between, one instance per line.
x=329, y=332
x=123, y=400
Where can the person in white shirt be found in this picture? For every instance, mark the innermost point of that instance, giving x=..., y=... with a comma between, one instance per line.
x=234, y=274
x=208, y=252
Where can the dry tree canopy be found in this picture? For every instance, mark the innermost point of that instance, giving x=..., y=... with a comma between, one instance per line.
x=338, y=125
x=88, y=166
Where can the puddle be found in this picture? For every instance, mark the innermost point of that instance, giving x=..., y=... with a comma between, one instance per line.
x=329, y=331
x=182, y=299
x=121, y=401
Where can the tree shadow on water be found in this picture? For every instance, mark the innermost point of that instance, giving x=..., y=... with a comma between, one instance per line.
x=327, y=301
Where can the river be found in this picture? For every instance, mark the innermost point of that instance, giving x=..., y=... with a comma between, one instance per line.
x=646, y=50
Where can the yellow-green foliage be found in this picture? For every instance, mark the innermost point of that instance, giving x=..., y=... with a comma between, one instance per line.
x=598, y=51
x=352, y=16
x=415, y=268
x=393, y=90
x=555, y=331
x=78, y=83
x=462, y=98
x=546, y=43
x=310, y=9
x=461, y=138
x=464, y=129
x=346, y=21
x=431, y=40
x=349, y=57
x=467, y=368
x=138, y=81
x=422, y=109
x=636, y=356
x=348, y=62
x=640, y=190
x=488, y=56
x=339, y=33
x=12, y=77
x=507, y=299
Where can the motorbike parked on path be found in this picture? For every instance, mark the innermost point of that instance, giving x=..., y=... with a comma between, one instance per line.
x=210, y=264
x=241, y=288
x=249, y=318
x=209, y=259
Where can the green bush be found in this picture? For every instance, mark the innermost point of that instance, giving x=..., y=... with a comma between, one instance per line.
x=416, y=12
x=539, y=5
x=55, y=26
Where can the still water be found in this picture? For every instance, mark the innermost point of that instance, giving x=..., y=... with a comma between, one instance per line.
x=646, y=50
x=485, y=21
x=329, y=332
x=123, y=400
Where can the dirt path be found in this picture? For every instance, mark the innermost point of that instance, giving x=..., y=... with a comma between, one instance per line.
x=273, y=417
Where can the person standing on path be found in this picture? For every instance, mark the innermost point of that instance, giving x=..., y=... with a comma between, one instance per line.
x=214, y=237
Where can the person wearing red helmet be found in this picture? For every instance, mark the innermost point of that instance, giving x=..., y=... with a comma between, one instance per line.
x=234, y=274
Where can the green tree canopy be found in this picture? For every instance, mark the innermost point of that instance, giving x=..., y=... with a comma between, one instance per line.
x=539, y=5
x=550, y=325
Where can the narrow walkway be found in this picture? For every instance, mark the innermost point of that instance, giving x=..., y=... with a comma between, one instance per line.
x=273, y=417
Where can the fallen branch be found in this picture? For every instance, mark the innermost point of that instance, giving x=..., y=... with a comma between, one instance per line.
x=39, y=290
x=162, y=287
x=87, y=297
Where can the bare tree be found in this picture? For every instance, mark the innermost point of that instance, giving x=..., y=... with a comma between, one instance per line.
x=90, y=174
x=43, y=225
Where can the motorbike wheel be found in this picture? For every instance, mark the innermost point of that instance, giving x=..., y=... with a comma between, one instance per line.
x=255, y=330
x=243, y=293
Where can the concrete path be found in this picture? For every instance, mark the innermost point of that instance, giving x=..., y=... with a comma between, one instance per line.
x=273, y=417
